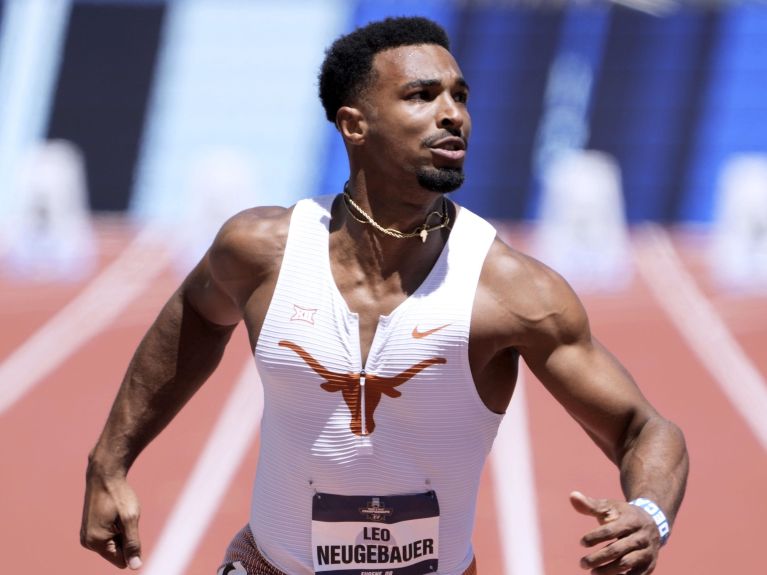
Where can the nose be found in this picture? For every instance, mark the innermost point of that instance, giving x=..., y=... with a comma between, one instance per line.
x=451, y=114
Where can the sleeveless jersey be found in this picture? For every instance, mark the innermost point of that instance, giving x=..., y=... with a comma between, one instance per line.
x=416, y=425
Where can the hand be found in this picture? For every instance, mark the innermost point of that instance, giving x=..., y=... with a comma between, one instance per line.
x=630, y=532
x=110, y=521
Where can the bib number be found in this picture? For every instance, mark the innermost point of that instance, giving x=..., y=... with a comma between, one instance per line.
x=368, y=535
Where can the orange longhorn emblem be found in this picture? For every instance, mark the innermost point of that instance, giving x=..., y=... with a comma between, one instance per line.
x=349, y=386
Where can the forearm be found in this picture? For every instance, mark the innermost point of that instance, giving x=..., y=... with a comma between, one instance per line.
x=655, y=465
x=174, y=359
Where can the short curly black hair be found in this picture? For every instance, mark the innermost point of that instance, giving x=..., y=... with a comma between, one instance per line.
x=348, y=66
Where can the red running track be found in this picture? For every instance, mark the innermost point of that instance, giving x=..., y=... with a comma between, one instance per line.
x=46, y=435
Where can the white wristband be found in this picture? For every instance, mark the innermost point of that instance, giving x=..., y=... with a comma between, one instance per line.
x=658, y=516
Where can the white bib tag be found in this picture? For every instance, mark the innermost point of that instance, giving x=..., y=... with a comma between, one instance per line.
x=369, y=535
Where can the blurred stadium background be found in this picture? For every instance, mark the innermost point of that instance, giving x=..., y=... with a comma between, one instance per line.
x=625, y=143
x=146, y=88
x=162, y=101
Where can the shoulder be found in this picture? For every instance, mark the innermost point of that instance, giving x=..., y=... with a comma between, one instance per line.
x=254, y=226
x=530, y=304
x=250, y=242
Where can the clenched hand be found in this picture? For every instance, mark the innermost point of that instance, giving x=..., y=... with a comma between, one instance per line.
x=110, y=521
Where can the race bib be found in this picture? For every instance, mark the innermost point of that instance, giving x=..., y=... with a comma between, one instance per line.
x=366, y=535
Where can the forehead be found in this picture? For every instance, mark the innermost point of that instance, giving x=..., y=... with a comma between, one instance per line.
x=420, y=62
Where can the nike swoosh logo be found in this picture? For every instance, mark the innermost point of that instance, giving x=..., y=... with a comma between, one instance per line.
x=419, y=334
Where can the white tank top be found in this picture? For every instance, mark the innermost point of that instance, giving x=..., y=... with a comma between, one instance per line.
x=429, y=429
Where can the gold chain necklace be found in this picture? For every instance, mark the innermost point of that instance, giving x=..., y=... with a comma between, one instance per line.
x=421, y=231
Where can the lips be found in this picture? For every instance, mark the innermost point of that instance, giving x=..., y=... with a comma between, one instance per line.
x=452, y=148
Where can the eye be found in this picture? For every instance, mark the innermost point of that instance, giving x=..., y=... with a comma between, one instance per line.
x=461, y=97
x=424, y=95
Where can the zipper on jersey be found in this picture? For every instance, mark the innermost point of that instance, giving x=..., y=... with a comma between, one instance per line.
x=362, y=402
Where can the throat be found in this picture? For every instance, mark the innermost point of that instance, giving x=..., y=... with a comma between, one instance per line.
x=434, y=221
x=368, y=266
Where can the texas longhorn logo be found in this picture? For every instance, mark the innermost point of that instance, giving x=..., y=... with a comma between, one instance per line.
x=351, y=390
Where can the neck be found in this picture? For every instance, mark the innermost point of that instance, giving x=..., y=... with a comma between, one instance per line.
x=434, y=221
x=404, y=207
x=383, y=254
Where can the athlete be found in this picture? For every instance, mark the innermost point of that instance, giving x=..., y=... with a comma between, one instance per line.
x=387, y=324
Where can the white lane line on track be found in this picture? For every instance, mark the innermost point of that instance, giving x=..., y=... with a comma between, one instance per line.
x=227, y=445
x=514, y=480
x=696, y=319
x=102, y=300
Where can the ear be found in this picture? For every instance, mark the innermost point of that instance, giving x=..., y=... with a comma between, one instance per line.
x=352, y=125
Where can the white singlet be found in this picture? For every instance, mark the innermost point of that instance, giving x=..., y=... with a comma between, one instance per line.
x=421, y=427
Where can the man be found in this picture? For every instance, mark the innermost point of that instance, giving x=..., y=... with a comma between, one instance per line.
x=387, y=324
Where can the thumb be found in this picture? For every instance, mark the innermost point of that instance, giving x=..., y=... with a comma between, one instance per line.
x=131, y=543
x=599, y=508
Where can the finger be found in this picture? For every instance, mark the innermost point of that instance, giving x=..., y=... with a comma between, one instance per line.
x=109, y=549
x=599, y=508
x=131, y=542
x=112, y=551
x=582, y=503
x=608, y=532
x=104, y=542
x=613, y=552
x=634, y=563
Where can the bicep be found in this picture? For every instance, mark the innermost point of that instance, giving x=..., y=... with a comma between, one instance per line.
x=591, y=384
x=209, y=296
x=207, y=288
x=245, y=254
x=538, y=314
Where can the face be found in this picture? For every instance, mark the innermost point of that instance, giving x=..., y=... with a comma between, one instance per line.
x=416, y=116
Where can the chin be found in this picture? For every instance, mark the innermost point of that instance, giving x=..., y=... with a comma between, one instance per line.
x=440, y=180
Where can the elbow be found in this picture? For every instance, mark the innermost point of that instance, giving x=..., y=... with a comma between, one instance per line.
x=662, y=436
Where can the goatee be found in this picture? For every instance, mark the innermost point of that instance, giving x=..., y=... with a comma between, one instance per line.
x=441, y=180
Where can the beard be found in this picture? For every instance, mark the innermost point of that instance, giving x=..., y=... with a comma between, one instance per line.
x=441, y=180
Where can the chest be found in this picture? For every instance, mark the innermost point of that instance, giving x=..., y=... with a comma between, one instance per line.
x=321, y=300
x=370, y=305
x=364, y=365
x=359, y=325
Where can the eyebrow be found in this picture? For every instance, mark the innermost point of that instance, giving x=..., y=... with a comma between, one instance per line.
x=431, y=82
